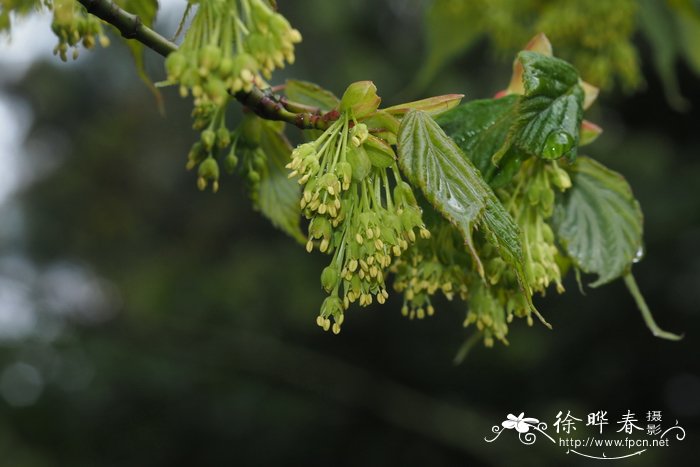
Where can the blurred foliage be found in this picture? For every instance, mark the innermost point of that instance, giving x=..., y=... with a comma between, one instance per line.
x=596, y=37
x=209, y=358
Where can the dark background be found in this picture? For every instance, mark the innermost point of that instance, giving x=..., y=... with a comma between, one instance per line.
x=174, y=327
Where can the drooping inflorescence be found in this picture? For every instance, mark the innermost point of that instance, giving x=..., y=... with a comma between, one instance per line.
x=230, y=46
x=74, y=26
x=360, y=209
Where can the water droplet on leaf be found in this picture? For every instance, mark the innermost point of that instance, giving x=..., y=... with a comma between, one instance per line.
x=557, y=144
x=638, y=255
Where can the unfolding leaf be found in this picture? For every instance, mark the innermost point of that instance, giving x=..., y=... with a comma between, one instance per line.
x=498, y=134
x=278, y=196
x=432, y=105
x=589, y=132
x=598, y=221
x=310, y=94
x=451, y=183
x=550, y=113
x=146, y=10
x=540, y=43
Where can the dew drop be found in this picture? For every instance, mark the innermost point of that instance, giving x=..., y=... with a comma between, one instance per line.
x=557, y=144
x=455, y=205
x=638, y=255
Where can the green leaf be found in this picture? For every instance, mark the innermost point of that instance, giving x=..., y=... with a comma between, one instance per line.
x=304, y=92
x=451, y=183
x=551, y=110
x=146, y=10
x=598, y=221
x=480, y=129
x=278, y=196
x=498, y=134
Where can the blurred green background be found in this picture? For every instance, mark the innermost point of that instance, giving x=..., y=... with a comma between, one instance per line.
x=162, y=326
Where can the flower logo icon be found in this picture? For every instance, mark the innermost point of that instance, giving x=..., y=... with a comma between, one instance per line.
x=521, y=424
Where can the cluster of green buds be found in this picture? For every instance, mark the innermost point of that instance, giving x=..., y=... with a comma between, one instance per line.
x=228, y=45
x=429, y=267
x=219, y=148
x=73, y=25
x=269, y=39
x=491, y=310
x=496, y=298
x=495, y=301
x=533, y=205
x=357, y=213
x=215, y=142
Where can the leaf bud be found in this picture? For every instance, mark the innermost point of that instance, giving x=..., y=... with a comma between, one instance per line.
x=361, y=99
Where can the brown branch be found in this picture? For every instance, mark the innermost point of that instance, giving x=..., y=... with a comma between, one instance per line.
x=264, y=103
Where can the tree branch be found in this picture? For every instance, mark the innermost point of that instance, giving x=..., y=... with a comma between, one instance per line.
x=129, y=25
x=262, y=102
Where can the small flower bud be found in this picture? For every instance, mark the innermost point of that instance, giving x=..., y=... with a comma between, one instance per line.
x=230, y=162
x=208, y=170
x=209, y=58
x=223, y=137
x=329, y=278
x=208, y=138
x=359, y=161
x=175, y=65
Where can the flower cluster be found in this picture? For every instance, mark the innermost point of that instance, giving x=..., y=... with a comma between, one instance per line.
x=73, y=26
x=494, y=303
x=355, y=214
x=228, y=45
x=488, y=312
x=534, y=203
x=214, y=139
x=220, y=148
x=427, y=268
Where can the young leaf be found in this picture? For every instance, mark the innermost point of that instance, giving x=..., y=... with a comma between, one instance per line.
x=550, y=113
x=498, y=134
x=278, y=196
x=310, y=94
x=589, y=132
x=432, y=105
x=451, y=183
x=598, y=221
x=540, y=43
